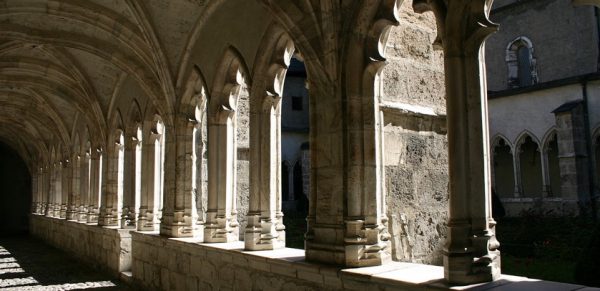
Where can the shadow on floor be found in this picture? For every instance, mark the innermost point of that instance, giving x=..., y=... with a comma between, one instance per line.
x=29, y=264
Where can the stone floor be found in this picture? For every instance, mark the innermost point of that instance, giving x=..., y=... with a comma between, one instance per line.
x=29, y=264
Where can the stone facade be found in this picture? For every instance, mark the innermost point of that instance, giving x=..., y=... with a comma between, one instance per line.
x=556, y=29
x=561, y=38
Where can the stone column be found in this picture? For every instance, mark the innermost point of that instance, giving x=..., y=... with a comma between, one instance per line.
x=471, y=252
x=109, y=210
x=346, y=220
x=180, y=216
x=150, y=188
x=52, y=173
x=74, y=195
x=94, y=191
x=35, y=189
x=573, y=156
x=128, y=217
x=45, y=190
x=65, y=187
x=221, y=220
x=221, y=225
x=84, y=187
x=516, y=153
x=58, y=170
x=546, y=188
x=265, y=230
x=146, y=211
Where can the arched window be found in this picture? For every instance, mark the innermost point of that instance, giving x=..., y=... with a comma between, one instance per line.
x=522, y=70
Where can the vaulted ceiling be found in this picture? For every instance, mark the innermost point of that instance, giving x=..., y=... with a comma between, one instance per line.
x=68, y=64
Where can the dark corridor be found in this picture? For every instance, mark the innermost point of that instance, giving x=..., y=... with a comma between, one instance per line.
x=15, y=193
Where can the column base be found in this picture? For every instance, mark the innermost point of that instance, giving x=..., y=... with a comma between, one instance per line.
x=72, y=213
x=62, y=213
x=362, y=245
x=471, y=258
x=37, y=208
x=92, y=215
x=263, y=234
x=57, y=211
x=48, y=210
x=108, y=217
x=220, y=229
x=82, y=214
x=180, y=225
x=146, y=221
x=128, y=218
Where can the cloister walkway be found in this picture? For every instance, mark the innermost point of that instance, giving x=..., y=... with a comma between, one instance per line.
x=29, y=264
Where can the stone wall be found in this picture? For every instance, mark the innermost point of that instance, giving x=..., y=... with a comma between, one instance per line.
x=416, y=154
x=557, y=29
x=161, y=263
x=103, y=247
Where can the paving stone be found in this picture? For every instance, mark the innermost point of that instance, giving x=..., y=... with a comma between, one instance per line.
x=37, y=266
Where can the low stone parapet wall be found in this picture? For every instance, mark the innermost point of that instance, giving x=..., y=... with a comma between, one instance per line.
x=161, y=263
x=523, y=206
x=104, y=247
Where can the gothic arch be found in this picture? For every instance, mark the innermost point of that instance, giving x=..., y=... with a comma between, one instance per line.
x=548, y=137
x=523, y=135
x=501, y=137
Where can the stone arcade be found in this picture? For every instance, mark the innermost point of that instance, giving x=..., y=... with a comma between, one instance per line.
x=152, y=130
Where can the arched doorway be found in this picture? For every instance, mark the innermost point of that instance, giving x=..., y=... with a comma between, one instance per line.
x=15, y=193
